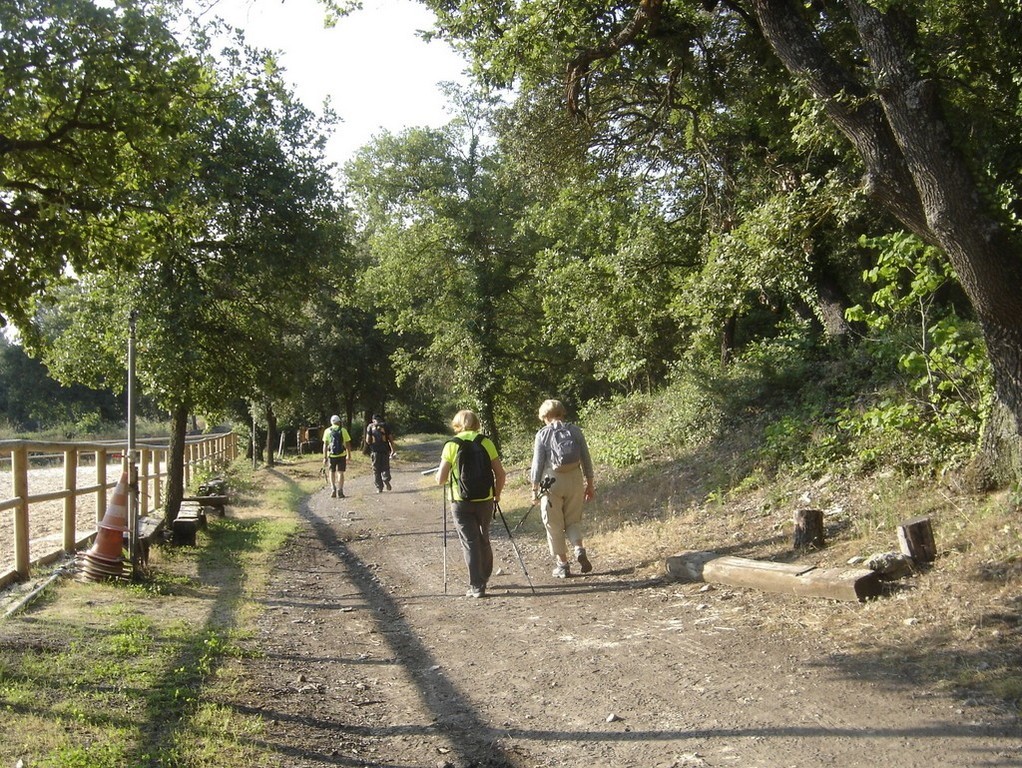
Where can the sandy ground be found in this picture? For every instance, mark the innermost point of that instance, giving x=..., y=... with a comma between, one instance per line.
x=46, y=518
x=369, y=658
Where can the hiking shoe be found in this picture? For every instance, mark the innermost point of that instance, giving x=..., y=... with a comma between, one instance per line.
x=583, y=562
x=387, y=484
x=476, y=592
x=333, y=494
x=561, y=571
x=340, y=495
x=379, y=490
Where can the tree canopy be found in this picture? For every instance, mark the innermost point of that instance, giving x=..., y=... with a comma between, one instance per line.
x=92, y=97
x=633, y=189
x=768, y=104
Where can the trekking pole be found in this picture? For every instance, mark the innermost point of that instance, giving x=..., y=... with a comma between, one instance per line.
x=519, y=525
x=445, y=539
x=521, y=562
x=544, y=488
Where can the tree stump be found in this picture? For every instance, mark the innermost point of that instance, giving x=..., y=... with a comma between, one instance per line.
x=808, y=529
x=916, y=539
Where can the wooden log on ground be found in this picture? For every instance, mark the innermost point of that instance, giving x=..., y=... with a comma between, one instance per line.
x=915, y=538
x=849, y=584
x=808, y=529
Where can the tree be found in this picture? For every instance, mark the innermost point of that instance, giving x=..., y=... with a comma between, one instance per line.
x=452, y=277
x=247, y=230
x=31, y=400
x=916, y=90
x=88, y=103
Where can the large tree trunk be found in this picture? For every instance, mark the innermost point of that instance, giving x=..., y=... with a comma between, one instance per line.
x=832, y=302
x=914, y=169
x=176, y=462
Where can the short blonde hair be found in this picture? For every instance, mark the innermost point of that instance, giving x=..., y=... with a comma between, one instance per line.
x=552, y=408
x=465, y=421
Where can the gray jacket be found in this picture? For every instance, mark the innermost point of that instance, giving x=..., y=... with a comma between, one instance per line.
x=541, y=466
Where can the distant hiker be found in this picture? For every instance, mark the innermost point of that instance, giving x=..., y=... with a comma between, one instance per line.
x=470, y=465
x=336, y=451
x=560, y=452
x=380, y=443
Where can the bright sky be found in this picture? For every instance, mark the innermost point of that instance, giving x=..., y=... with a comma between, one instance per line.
x=377, y=72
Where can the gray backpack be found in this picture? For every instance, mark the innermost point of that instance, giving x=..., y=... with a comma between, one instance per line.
x=564, y=448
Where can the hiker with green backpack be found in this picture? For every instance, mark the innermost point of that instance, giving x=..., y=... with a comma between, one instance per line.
x=336, y=453
x=471, y=468
x=560, y=452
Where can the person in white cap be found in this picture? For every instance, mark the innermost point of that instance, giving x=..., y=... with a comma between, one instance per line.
x=336, y=452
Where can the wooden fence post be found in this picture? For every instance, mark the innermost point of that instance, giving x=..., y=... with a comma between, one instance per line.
x=143, y=480
x=101, y=483
x=809, y=529
x=19, y=477
x=71, y=500
x=916, y=540
x=189, y=454
x=158, y=471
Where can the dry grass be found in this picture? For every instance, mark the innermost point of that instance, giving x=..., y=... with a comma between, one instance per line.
x=956, y=624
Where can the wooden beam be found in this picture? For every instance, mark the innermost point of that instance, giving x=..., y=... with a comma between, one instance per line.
x=851, y=584
x=915, y=538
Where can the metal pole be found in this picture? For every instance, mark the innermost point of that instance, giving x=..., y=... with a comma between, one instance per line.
x=132, y=466
x=445, y=538
x=544, y=490
x=514, y=546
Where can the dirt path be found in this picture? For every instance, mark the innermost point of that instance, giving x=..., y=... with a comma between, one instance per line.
x=368, y=663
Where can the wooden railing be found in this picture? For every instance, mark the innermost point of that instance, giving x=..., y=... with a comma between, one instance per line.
x=47, y=481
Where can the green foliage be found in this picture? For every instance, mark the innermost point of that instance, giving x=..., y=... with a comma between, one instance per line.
x=31, y=401
x=92, y=97
x=451, y=266
x=642, y=427
x=797, y=410
x=226, y=260
x=942, y=356
x=689, y=108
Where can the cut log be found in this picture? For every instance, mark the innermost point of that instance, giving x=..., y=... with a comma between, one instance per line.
x=850, y=584
x=916, y=540
x=808, y=529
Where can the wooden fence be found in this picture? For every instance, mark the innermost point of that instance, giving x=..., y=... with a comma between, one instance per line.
x=48, y=481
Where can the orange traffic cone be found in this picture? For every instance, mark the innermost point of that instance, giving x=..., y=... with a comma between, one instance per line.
x=116, y=516
x=106, y=557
